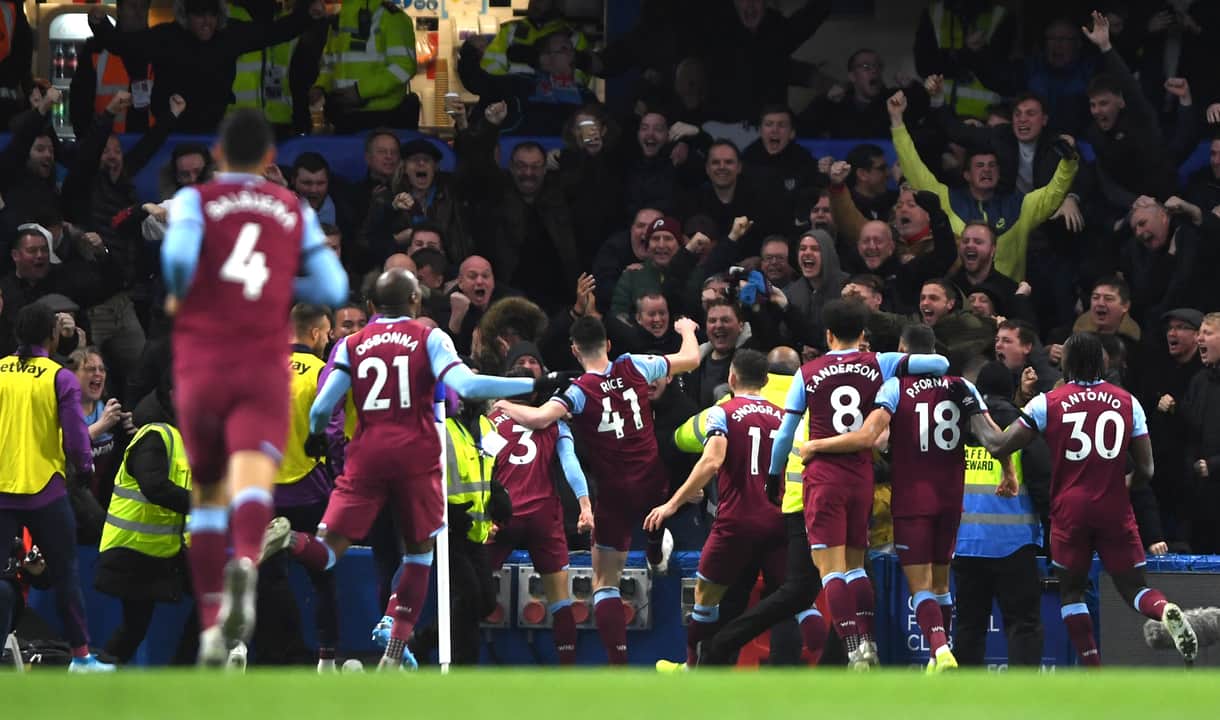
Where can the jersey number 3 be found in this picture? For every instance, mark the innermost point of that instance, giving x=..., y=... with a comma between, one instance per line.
x=245, y=265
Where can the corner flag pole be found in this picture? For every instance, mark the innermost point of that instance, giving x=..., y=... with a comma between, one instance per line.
x=443, y=620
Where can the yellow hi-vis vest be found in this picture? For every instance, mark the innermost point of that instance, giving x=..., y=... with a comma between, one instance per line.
x=135, y=523
x=380, y=63
x=31, y=437
x=261, y=81
x=468, y=474
x=994, y=526
x=305, y=368
x=522, y=32
x=690, y=436
x=970, y=99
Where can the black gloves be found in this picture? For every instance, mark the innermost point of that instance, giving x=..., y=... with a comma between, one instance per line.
x=962, y=396
x=1064, y=149
x=460, y=521
x=775, y=488
x=554, y=382
x=499, y=504
x=316, y=446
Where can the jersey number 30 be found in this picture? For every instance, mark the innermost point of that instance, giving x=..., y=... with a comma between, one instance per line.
x=245, y=265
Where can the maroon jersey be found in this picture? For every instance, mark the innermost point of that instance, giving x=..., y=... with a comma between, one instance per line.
x=393, y=389
x=1088, y=429
x=927, y=454
x=750, y=425
x=613, y=417
x=242, y=289
x=524, y=459
x=838, y=388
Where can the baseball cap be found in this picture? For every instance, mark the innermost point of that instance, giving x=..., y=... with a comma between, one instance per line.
x=1190, y=316
x=420, y=146
x=58, y=303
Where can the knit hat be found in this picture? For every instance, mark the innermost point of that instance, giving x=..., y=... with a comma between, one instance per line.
x=666, y=224
x=995, y=379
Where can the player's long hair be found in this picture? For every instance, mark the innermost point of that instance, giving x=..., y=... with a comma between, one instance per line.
x=1083, y=358
x=34, y=327
x=506, y=322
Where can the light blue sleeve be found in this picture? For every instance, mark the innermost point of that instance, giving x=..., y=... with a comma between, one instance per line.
x=887, y=396
x=1036, y=410
x=574, y=398
x=917, y=365
x=795, y=402
x=783, y=442
x=1139, y=419
x=448, y=368
x=652, y=367
x=716, y=421
x=571, y=466
x=183, y=241
x=332, y=393
x=325, y=281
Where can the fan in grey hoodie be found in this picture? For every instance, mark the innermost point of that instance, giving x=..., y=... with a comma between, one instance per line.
x=820, y=279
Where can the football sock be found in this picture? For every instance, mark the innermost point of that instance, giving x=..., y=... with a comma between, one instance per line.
x=703, y=622
x=1080, y=630
x=563, y=627
x=653, y=548
x=842, y=610
x=611, y=623
x=813, y=632
x=207, y=555
x=408, y=600
x=1150, y=603
x=251, y=511
x=946, y=612
x=311, y=552
x=866, y=601
x=930, y=619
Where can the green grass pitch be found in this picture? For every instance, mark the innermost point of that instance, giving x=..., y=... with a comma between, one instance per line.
x=620, y=694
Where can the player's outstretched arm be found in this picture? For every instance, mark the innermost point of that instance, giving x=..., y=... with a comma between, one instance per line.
x=894, y=364
x=332, y=393
x=1001, y=443
x=875, y=425
x=794, y=405
x=705, y=469
x=534, y=418
x=687, y=357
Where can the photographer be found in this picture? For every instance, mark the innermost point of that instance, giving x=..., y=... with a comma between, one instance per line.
x=21, y=567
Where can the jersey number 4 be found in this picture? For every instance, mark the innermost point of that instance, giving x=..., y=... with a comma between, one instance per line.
x=613, y=422
x=245, y=265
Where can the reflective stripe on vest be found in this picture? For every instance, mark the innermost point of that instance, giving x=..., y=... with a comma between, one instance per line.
x=351, y=58
x=135, y=523
x=112, y=78
x=31, y=438
x=261, y=77
x=994, y=526
x=469, y=472
x=970, y=98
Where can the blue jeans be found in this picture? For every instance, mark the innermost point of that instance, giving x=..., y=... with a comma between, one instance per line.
x=53, y=529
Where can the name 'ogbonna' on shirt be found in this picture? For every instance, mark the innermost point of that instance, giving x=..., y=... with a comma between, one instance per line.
x=410, y=342
x=844, y=369
x=1089, y=395
x=247, y=201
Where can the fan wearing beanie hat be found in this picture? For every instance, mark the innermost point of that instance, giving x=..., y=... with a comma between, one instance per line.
x=669, y=262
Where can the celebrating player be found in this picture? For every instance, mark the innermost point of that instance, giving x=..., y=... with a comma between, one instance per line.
x=1090, y=425
x=524, y=459
x=231, y=256
x=839, y=488
x=612, y=416
x=392, y=367
x=748, y=529
x=928, y=467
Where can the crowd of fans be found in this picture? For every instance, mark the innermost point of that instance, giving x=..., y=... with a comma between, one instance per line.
x=693, y=200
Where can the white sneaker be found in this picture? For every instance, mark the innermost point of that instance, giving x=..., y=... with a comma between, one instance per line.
x=667, y=549
x=1178, y=627
x=325, y=667
x=236, y=616
x=856, y=660
x=276, y=539
x=213, y=651
x=237, y=658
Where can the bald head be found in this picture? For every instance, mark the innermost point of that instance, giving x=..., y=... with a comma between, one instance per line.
x=400, y=261
x=476, y=281
x=784, y=360
x=396, y=292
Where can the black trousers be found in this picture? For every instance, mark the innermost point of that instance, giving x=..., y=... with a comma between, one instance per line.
x=1015, y=583
x=472, y=597
x=796, y=594
x=137, y=615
